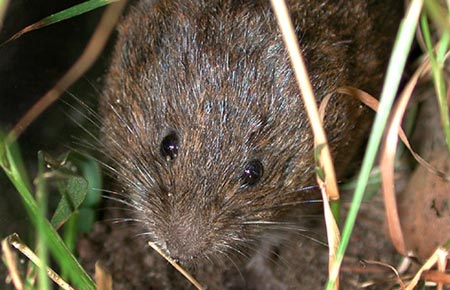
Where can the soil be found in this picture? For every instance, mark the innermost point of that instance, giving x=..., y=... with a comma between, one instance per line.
x=134, y=265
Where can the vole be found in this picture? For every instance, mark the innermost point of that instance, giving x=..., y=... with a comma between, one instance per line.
x=203, y=122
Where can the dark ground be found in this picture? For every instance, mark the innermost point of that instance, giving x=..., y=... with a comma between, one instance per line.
x=301, y=262
x=29, y=66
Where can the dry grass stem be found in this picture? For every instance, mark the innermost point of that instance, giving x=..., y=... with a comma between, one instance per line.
x=404, y=265
x=333, y=234
x=373, y=103
x=387, y=167
x=15, y=241
x=323, y=106
x=438, y=254
x=388, y=152
x=177, y=266
x=364, y=97
x=11, y=263
x=325, y=161
x=301, y=74
x=437, y=276
x=392, y=268
x=84, y=62
x=387, y=159
x=103, y=278
x=442, y=266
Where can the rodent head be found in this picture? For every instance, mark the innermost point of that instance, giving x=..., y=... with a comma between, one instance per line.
x=204, y=123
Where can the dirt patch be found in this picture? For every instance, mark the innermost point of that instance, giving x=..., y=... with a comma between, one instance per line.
x=298, y=262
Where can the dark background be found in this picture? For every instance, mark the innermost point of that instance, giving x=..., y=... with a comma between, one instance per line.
x=29, y=67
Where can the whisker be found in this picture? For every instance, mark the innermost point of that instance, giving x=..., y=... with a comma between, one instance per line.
x=124, y=220
x=282, y=205
x=91, y=84
x=90, y=112
x=241, y=275
x=284, y=225
x=113, y=192
x=291, y=228
x=83, y=143
x=237, y=251
x=125, y=209
x=121, y=119
x=120, y=201
x=145, y=235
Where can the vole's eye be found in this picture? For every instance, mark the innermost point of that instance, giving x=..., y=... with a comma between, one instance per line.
x=169, y=146
x=253, y=172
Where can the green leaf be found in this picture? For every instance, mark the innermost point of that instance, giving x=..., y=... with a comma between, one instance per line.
x=90, y=170
x=56, y=245
x=86, y=219
x=74, y=191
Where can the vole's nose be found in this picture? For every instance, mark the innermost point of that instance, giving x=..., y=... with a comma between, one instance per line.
x=186, y=241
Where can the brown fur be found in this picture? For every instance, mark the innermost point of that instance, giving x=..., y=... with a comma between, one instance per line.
x=216, y=73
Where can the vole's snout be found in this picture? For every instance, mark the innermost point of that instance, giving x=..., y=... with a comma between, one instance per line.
x=185, y=240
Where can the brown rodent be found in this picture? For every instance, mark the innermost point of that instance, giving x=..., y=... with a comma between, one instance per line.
x=203, y=121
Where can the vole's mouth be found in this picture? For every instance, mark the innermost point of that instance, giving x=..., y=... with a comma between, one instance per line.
x=180, y=257
x=185, y=244
x=185, y=251
x=163, y=251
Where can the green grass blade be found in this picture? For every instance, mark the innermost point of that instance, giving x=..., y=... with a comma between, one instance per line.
x=396, y=66
x=55, y=243
x=3, y=7
x=62, y=15
x=437, y=61
x=42, y=249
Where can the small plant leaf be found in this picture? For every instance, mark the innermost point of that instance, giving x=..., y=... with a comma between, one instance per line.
x=86, y=219
x=56, y=246
x=74, y=191
x=89, y=169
